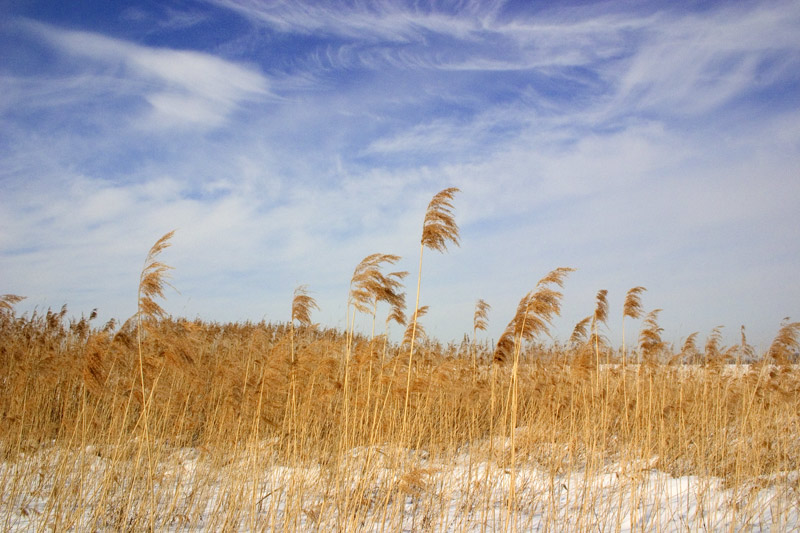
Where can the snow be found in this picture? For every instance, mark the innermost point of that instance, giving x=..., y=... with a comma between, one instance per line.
x=383, y=488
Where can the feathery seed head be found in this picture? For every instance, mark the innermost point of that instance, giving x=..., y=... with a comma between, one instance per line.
x=7, y=301
x=534, y=313
x=713, y=342
x=555, y=277
x=786, y=342
x=153, y=280
x=302, y=304
x=580, y=332
x=690, y=344
x=480, y=320
x=369, y=285
x=504, y=349
x=601, y=310
x=650, y=341
x=397, y=314
x=439, y=226
x=633, y=303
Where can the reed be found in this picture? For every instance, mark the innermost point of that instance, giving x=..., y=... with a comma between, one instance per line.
x=64, y=416
x=786, y=342
x=632, y=308
x=600, y=316
x=650, y=343
x=7, y=302
x=152, y=283
x=480, y=321
x=438, y=229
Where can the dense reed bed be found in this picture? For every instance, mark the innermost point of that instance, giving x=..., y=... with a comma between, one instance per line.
x=161, y=423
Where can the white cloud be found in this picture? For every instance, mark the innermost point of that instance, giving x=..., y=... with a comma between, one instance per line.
x=382, y=20
x=182, y=87
x=692, y=63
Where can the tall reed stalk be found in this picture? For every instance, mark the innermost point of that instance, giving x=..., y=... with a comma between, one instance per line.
x=535, y=312
x=438, y=228
x=152, y=282
x=600, y=316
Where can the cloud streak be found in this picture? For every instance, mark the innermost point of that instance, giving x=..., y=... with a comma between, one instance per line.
x=182, y=87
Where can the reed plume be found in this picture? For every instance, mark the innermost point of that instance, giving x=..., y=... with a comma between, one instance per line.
x=302, y=305
x=689, y=349
x=480, y=321
x=745, y=350
x=368, y=284
x=389, y=292
x=601, y=308
x=580, y=332
x=7, y=302
x=632, y=308
x=713, y=344
x=650, y=343
x=786, y=343
x=600, y=315
x=439, y=226
x=534, y=313
x=397, y=314
x=153, y=280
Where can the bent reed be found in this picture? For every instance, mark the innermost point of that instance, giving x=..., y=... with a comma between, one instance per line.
x=162, y=423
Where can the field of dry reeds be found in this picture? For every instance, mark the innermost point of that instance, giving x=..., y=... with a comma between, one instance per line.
x=164, y=424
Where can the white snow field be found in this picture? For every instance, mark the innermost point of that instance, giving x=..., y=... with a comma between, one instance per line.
x=379, y=489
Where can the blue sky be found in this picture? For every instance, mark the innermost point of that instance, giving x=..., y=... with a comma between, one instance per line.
x=655, y=145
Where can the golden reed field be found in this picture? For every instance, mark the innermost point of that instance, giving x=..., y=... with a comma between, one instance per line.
x=164, y=424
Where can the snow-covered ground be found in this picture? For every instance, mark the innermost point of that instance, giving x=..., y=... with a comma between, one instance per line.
x=379, y=489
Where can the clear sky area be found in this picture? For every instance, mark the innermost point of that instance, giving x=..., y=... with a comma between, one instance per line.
x=641, y=143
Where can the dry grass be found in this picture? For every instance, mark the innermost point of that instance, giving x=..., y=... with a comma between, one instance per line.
x=271, y=446
x=168, y=424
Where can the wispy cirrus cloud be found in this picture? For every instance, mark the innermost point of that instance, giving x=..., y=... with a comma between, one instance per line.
x=379, y=21
x=180, y=87
x=686, y=66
